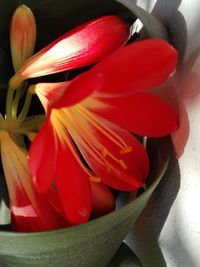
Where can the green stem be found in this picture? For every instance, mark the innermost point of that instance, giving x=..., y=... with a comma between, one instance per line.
x=25, y=110
x=18, y=95
x=9, y=99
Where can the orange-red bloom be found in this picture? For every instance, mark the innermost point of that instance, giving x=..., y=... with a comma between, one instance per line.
x=97, y=122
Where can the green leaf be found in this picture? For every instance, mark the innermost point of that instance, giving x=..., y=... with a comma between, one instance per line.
x=125, y=258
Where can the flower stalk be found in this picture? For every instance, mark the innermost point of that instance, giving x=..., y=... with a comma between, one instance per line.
x=24, y=112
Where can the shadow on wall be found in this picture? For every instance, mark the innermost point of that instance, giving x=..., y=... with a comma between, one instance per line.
x=185, y=87
x=167, y=12
x=180, y=254
x=143, y=238
x=175, y=24
x=181, y=91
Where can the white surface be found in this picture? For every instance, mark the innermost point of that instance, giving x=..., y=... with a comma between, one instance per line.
x=177, y=230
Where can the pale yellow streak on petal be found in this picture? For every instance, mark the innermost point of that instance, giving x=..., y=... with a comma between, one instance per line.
x=93, y=103
x=14, y=160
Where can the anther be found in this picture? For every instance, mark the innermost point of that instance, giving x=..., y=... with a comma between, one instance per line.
x=107, y=167
x=104, y=152
x=123, y=164
x=95, y=179
x=126, y=150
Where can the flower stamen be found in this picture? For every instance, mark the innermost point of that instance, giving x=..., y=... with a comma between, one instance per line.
x=64, y=138
x=107, y=167
x=73, y=120
x=95, y=179
x=123, y=164
x=101, y=127
x=88, y=137
x=126, y=150
x=104, y=152
x=69, y=124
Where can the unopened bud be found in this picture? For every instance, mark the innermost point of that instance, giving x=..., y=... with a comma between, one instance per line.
x=22, y=35
x=82, y=46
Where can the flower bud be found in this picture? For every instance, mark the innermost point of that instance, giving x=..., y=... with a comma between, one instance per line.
x=82, y=46
x=22, y=35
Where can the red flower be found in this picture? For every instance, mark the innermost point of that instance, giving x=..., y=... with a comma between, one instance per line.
x=83, y=113
x=30, y=211
x=82, y=46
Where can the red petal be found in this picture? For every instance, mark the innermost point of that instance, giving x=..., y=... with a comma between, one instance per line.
x=81, y=46
x=49, y=93
x=138, y=66
x=80, y=88
x=24, y=217
x=27, y=217
x=141, y=113
x=102, y=199
x=53, y=198
x=42, y=157
x=112, y=173
x=73, y=187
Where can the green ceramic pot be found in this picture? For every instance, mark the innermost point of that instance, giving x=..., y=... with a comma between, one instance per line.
x=96, y=242
x=88, y=245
